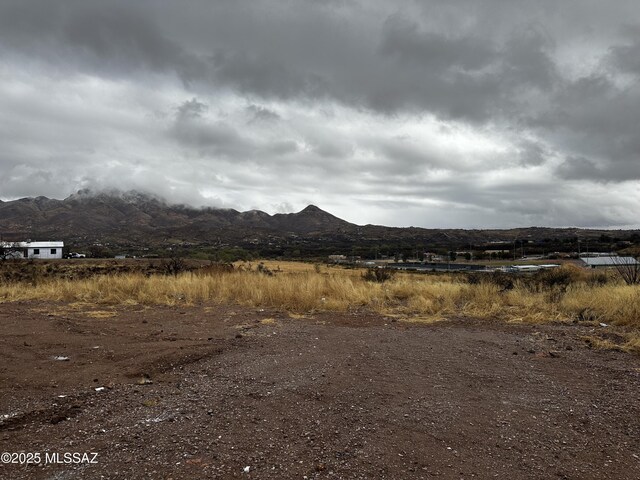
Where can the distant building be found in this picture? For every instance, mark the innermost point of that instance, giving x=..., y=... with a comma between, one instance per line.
x=606, y=262
x=529, y=268
x=46, y=250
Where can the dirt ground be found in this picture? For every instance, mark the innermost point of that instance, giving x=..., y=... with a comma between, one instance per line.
x=228, y=392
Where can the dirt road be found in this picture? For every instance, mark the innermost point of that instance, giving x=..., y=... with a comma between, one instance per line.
x=222, y=392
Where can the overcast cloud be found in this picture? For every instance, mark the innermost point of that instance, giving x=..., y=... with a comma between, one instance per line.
x=440, y=113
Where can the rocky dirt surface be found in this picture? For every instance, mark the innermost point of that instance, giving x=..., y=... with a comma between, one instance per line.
x=229, y=392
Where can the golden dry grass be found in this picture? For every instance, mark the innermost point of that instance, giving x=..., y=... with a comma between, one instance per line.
x=288, y=267
x=300, y=289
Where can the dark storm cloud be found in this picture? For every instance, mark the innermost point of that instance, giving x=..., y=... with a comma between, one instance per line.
x=192, y=129
x=266, y=77
x=126, y=38
x=260, y=113
x=191, y=109
x=531, y=153
x=205, y=137
x=579, y=168
x=626, y=57
x=451, y=103
x=406, y=158
x=405, y=67
x=115, y=39
x=526, y=60
x=594, y=118
x=402, y=38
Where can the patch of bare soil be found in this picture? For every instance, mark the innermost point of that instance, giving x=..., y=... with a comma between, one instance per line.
x=226, y=392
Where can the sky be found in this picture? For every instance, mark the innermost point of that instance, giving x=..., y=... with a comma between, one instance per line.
x=432, y=113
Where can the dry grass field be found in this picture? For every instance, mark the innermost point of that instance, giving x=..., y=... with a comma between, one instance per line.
x=568, y=294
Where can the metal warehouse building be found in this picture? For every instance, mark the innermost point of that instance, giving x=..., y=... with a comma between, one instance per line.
x=608, y=261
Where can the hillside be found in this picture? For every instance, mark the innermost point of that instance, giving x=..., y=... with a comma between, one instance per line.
x=133, y=216
x=136, y=220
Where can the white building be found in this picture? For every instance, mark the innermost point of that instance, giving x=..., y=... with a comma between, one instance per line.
x=608, y=261
x=529, y=268
x=34, y=249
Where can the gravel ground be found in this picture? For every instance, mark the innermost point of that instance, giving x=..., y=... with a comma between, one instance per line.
x=221, y=392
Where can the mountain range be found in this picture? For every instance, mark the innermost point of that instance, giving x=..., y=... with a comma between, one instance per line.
x=134, y=218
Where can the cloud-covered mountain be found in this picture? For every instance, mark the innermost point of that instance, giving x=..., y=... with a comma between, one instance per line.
x=147, y=219
x=135, y=219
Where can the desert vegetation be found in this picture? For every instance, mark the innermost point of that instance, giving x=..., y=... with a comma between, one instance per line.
x=564, y=294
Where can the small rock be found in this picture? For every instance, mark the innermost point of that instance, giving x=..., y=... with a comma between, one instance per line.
x=246, y=469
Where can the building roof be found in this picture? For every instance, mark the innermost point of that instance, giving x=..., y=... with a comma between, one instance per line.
x=608, y=261
x=47, y=244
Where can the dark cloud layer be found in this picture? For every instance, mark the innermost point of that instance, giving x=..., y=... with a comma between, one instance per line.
x=494, y=113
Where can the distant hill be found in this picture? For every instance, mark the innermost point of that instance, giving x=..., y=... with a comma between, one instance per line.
x=126, y=216
x=137, y=219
